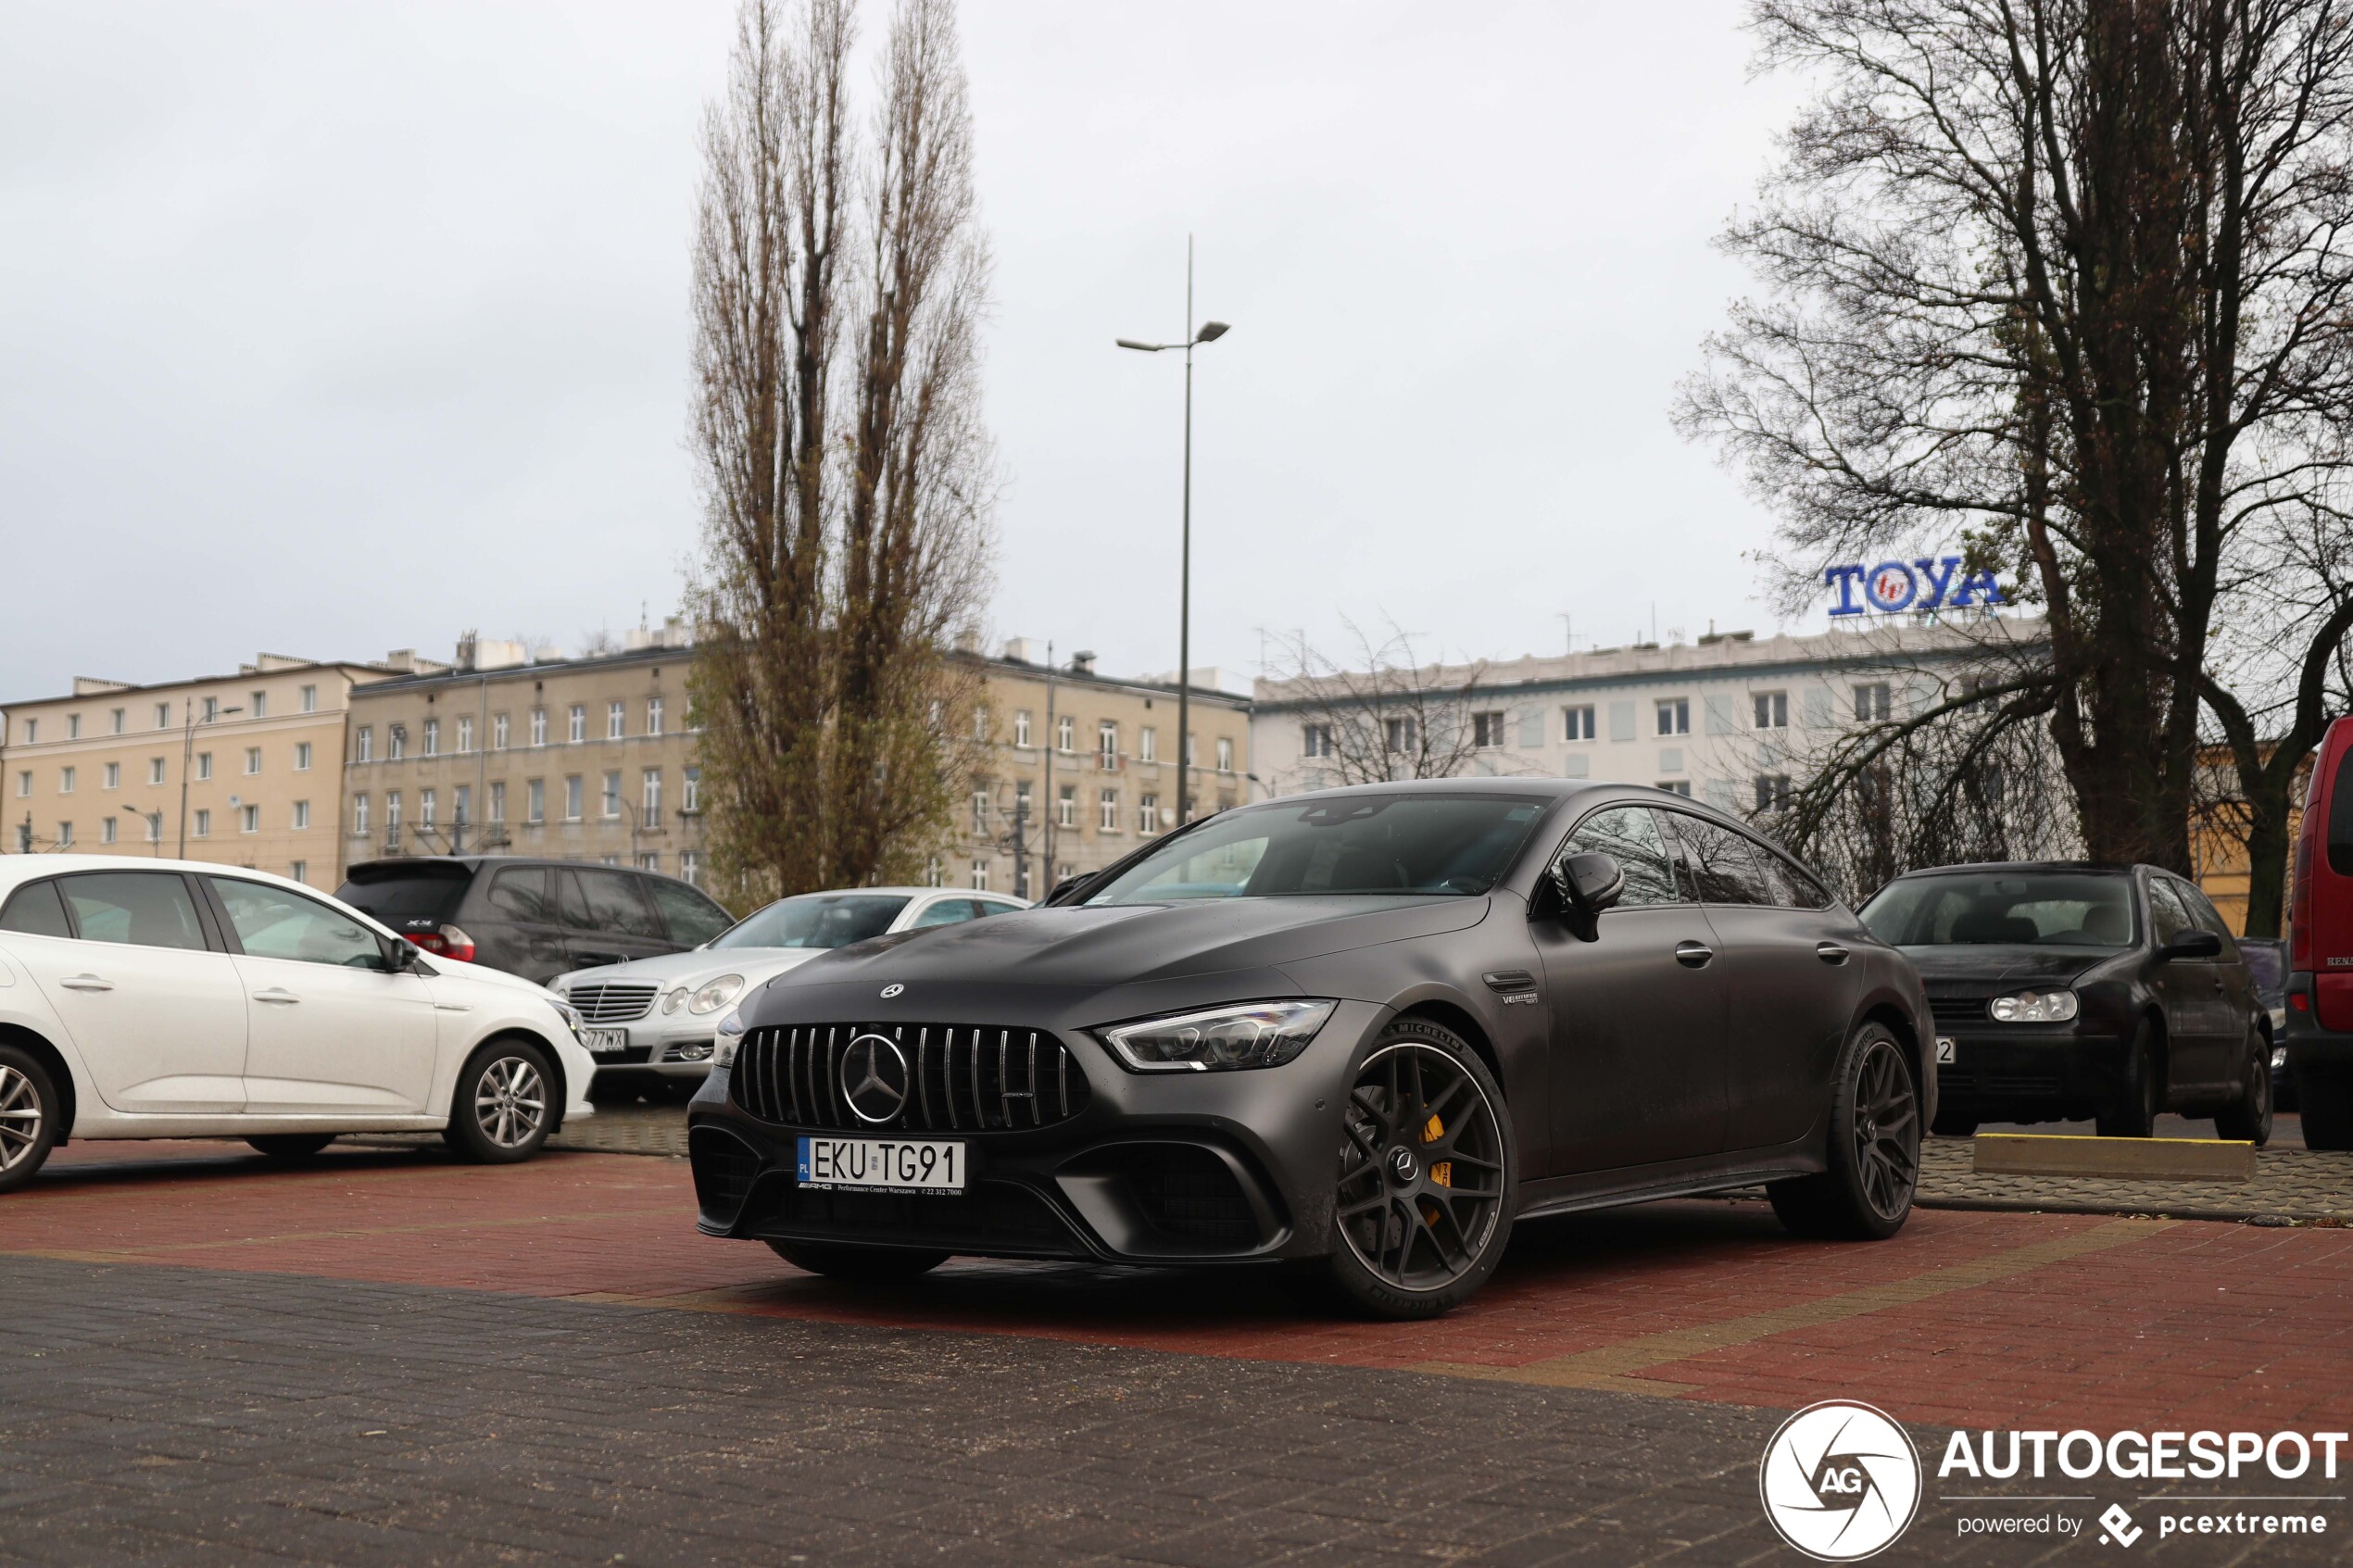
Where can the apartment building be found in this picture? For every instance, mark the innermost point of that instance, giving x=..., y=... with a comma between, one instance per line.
x=1079, y=768
x=503, y=751
x=241, y=768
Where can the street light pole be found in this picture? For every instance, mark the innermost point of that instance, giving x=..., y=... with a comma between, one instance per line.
x=187, y=750
x=1210, y=333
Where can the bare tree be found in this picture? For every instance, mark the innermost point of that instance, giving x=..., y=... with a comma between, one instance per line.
x=839, y=281
x=2068, y=277
x=1383, y=715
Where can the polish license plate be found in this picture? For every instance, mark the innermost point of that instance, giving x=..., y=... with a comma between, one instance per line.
x=604, y=1042
x=1944, y=1048
x=881, y=1165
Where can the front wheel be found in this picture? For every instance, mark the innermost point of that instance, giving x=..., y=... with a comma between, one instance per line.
x=291, y=1146
x=504, y=1104
x=2250, y=1119
x=28, y=1116
x=1428, y=1178
x=862, y=1265
x=2133, y=1112
x=1874, y=1151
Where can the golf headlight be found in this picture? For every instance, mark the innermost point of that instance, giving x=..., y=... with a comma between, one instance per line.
x=730, y=1035
x=674, y=998
x=717, y=994
x=1258, y=1034
x=569, y=1014
x=2034, y=1006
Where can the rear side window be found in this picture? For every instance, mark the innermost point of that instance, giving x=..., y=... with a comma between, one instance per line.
x=136, y=908
x=2168, y=917
x=1629, y=835
x=2341, y=818
x=614, y=903
x=36, y=911
x=1725, y=867
x=399, y=895
x=694, y=919
x=521, y=893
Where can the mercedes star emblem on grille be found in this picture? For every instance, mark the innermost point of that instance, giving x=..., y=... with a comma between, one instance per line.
x=893, y=989
x=873, y=1078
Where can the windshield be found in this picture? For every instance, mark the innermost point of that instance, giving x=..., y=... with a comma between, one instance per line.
x=2047, y=908
x=815, y=920
x=1364, y=844
x=399, y=894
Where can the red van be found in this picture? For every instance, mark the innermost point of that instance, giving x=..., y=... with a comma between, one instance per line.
x=2319, y=1037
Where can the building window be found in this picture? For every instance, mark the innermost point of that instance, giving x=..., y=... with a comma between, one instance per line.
x=433, y=737
x=1772, y=710
x=302, y=757
x=1148, y=745
x=32, y=731
x=203, y=828
x=65, y=781
x=65, y=836
x=497, y=732
x=1021, y=727
x=690, y=790
x=359, y=814
x=155, y=827
x=691, y=867
x=396, y=742
x=1872, y=704
x=980, y=876
x=1772, y=792
x=1674, y=715
x=155, y=769
x=933, y=872
x=300, y=870
x=392, y=810
x=465, y=734
x=1315, y=740
x=539, y=726
x=1107, y=742
x=1066, y=808
x=302, y=813
x=612, y=795
x=73, y=726
x=1107, y=811
x=1677, y=787
x=653, y=716
x=616, y=720
x=980, y=811
x=203, y=765
x=309, y=705
x=650, y=860
x=1147, y=813
x=650, y=799
x=212, y=709
x=106, y=830
x=114, y=775
x=1577, y=723
x=579, y=722
x=253, y=760
x=571, y=797
x=261, y=707
x=1224, y=753
x=24, y=783
x=163, y=715
x=1400, y=735
x=428, y=807
x=980, y=722
x=1066, y=734
x=497, y=800
x=117, y=719
x=1487, y=730
x=535, y=800
x=364, y=746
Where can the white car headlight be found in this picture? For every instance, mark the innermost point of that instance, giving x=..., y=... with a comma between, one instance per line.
x=730, y=1035
x=673, y=999
x=569, y=1014
x=717, y=994
x=2034, y=1006
x=1253, y=1034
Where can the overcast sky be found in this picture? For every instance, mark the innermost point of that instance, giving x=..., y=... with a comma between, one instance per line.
x=327, y=330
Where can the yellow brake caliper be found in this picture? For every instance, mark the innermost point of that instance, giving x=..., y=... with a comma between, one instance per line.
x=1441, y=1174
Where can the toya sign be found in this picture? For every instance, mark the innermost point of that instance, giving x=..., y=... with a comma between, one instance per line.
x=1893, y=586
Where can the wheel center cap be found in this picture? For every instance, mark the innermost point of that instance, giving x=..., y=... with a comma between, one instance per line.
x=1870, y=1127
x=1402, y=1167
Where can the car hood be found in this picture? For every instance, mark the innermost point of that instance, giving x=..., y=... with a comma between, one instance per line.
x=1082, y=948
x=695, y=965
x=1969, y=966
x=449, y=971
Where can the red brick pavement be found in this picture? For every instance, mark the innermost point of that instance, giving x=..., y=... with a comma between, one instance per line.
x=1965, y=1319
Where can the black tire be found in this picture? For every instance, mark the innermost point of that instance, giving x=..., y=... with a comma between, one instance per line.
x=861, y=1265
x=505, y=1104
x=2327, y=1102
x=2250, y=1119
x=1953, y=1124
x=29, y=1112
x=2133, y=1115
x=1452, y=1215
x=291, y=1146
x=1874, y=1149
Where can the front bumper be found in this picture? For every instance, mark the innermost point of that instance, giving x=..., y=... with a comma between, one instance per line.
x=2031, y=1072
x=673, y=1051
x=1197, y=1167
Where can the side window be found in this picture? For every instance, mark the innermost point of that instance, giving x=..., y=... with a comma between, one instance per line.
x=572, y=904
x=2168, y=919
x=137, y=908
x=36, y=911
x=1804, y=891
x=271, y=922
x=1725, y=868
x=2205, y=916
x=982, y=907
x=694, y=919
x=614, y=903
x=522, y=893
x=946, y=912
x=1629, y=834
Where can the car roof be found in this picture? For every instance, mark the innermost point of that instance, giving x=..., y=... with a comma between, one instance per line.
x=475, y=863
x=2097, y=868
x=16, y=870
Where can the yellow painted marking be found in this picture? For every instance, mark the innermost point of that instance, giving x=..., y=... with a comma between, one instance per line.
x=133, y=1254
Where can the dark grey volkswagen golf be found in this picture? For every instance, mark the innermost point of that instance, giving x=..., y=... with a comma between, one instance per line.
x=1363, y=1031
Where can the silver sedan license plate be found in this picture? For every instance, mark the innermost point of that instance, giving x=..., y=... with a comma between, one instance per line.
x=881, y=1165
x=604, y=1042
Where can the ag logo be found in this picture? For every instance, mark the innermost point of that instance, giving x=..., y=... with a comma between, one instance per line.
x=1839, y=1481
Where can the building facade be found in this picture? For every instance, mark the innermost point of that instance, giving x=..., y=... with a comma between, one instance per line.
x=586, y=758
x=244, y=770
x=1076, y=769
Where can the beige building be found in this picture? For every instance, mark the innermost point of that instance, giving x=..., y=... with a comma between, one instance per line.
x=503, y=753
x=1080, y=768
x=239, y=769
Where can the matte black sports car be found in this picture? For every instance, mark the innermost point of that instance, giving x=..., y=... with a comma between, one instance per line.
x=2065, y=991
x=1364, y=1030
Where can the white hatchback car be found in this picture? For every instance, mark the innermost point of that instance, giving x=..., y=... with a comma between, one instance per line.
x=654, y=1021
x=173, y=999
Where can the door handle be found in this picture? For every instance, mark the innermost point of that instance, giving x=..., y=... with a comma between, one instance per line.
x=1830, y=952
x=1693, y=955
x=276, y=996
x=85, y=983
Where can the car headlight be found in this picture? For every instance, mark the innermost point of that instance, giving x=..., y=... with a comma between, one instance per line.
x=2034, y=1006
x=673, y=999
x=730, y=1035
x=717, y=994
x=569, y=1014
x=1255, y=1035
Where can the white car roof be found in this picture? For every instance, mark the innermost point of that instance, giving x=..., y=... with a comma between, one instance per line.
x=16, y=870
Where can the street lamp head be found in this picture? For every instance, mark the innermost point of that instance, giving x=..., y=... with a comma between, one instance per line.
x=1140, y=348
x=1211, y=331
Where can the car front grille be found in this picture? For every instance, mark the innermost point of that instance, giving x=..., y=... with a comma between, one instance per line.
x=611, y=1003
x=1958, y=1010
x=961, y=1078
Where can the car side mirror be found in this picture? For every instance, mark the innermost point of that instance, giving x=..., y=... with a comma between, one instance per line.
x=2193, y=944
x=401, y=956
x=1589, y=883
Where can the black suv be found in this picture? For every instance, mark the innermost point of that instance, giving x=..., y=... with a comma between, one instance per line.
x=537, y=919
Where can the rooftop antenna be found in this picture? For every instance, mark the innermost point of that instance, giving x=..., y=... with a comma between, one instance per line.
x=1568, y=632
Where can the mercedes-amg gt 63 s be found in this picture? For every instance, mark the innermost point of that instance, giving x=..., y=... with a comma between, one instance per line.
x=1363, y=1031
